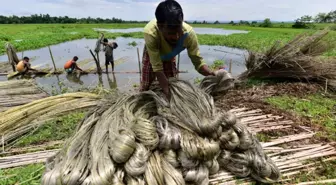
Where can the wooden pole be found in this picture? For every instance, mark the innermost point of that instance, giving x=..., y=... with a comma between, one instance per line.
x=139, y=63
x=10, y=60
x=97, y=54
x=99, y=70
x=97, y=51
x=178, y=64
x=230, y=68
x=52, y=59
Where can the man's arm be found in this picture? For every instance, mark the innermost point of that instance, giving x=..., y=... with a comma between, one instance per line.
x=78, y=67
x=27, y=64
x=156, y=62
x=195, y=56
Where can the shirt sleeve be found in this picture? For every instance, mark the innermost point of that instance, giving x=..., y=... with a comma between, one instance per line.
x=193, y=51
x=153, y=52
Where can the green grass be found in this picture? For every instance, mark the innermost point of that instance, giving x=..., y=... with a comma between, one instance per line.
x=35, y=36
x=327, y=171
x=26, y=175
x=319, y=109
x=217, y=64
x=263, y=137
x=132, y=44
x=58, y=129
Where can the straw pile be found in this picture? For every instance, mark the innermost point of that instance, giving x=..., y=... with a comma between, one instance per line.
x=19, y=92
x=143, y=139
x=297, y=60
x=17, y=121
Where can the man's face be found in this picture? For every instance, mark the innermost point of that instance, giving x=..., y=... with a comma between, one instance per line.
x=172, y=35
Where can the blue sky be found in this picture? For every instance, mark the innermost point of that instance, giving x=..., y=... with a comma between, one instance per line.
x=279, y=10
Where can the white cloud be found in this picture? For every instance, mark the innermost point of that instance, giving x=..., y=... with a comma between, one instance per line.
x=193, y=9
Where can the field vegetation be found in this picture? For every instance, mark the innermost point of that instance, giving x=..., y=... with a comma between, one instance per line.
x=33, y=36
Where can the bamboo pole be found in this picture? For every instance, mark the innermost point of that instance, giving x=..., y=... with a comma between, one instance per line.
x=139, y=63
x=52, y=59
x=230, y=68
x=331, y=181
x=97, y=63
x=178, y=64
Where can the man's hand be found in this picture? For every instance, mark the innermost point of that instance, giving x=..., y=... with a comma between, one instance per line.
x=163, y=83
x=205, y=71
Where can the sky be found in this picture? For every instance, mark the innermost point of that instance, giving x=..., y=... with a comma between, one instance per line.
x=223, y=10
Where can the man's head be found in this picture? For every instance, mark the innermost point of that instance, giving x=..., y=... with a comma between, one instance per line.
x=105, y=41
x=26, y=59
x=115, y=45
x=169, y=16
x=75, y=58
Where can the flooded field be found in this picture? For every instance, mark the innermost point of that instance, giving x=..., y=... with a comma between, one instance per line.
x=126, y=58
x=213, y=31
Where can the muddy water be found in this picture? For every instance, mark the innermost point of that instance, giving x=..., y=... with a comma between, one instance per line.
x=214, y=31
x=126, y=60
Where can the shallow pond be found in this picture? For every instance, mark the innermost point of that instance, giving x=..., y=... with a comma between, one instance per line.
x=213, y=31
x=126, y=61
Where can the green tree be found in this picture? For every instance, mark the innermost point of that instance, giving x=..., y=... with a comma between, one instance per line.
x=266, y=23
x=306, y=19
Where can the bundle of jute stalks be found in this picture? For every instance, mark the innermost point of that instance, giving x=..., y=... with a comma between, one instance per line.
x=20, y=120
x=143, y=139
x=299, y=59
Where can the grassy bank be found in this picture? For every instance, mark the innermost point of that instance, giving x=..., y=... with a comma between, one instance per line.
x=35, y=36
x=321, y=111
x=25, y=175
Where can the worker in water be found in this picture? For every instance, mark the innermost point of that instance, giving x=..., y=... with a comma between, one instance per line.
x=24, y=66
x=109, y=47
x=71, y=65
x=165, y=37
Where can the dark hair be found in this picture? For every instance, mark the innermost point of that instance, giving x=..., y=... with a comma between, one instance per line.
x=170, y=12
x=115, y=45
x=75, y=58
x=105, y=40
x=25, y=58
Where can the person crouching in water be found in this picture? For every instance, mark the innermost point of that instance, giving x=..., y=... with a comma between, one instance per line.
x=71, y=65
x=109, y=47
x=24, y=66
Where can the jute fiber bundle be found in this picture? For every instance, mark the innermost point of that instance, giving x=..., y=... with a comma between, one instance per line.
x=143, y=139
x=19, y=120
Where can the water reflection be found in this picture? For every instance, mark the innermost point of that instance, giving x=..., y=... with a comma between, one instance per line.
x=112, y=83
x=75, y=78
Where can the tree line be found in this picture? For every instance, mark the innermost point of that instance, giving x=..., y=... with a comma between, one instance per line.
x=47, y=19
x=301, y=22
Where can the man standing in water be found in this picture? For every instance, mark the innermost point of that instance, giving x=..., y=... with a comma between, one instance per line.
x=109, y=47
x=165, y=37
